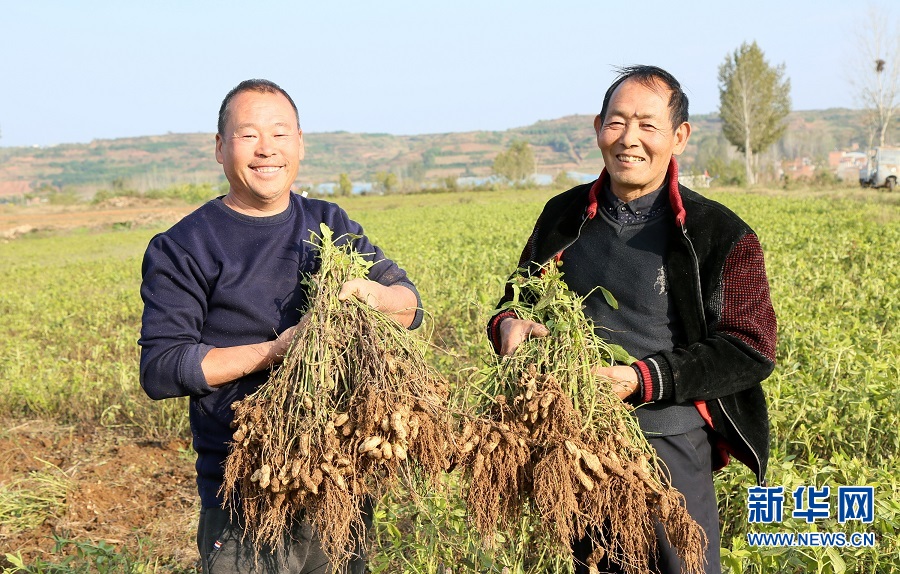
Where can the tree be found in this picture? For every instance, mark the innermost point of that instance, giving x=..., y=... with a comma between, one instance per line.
x=516, y=163
x=415, y=171
x=344, y=186
x=386, y=181
x=754, y=100
x=450, y=183
x=563, y=180
x=875, y=74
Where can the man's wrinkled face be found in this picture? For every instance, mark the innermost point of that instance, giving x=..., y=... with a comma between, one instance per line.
x=637, y=138
x=261, y=148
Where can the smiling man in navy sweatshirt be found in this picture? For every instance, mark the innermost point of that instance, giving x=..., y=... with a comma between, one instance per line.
x=222, y=299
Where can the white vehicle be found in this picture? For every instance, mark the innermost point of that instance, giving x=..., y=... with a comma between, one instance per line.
x=882, y=168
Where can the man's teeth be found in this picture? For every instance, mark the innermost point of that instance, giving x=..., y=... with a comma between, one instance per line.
x=630, y=158
x=266, y=169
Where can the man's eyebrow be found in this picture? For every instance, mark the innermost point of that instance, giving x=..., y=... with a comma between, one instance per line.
x=646, y=116
x=254, y=126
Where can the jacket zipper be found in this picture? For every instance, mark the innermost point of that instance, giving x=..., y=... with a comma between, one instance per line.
x=696, y=265
x=584, y=219
x=761, y=479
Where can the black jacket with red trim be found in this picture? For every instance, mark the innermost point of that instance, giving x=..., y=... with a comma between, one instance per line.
x=717, y=278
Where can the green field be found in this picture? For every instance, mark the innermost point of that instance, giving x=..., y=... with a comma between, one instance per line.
x=70, y=312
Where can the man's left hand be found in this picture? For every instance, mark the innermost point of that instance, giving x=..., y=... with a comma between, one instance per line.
x=396, y=301
x=624, y=379
x=369, y=292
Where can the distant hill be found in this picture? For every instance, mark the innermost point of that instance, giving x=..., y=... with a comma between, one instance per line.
x=567, y=143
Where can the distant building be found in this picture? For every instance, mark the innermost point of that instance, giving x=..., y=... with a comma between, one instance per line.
x=539, y=179
x=363, y=188
x=800, y=167
x=845, y=159
x=330, y=187
x=475, y=181
x=582, y=177
x=847, y=164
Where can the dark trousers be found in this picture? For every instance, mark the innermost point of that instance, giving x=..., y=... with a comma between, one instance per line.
x=688, y=457
x=223, y=552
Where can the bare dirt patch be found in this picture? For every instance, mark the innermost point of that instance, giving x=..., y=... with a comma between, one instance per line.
x=18, y=221
x=137, y=495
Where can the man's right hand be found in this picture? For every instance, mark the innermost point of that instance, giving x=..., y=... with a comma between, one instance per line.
x=223, y=365
x=281, y=345
x=514, y=331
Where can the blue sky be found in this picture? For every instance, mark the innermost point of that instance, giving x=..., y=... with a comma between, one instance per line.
x=74, y=71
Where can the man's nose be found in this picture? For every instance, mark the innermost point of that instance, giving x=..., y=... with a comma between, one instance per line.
x=629, y=136
x=265, y=146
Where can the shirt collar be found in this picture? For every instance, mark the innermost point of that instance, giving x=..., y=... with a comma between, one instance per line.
x=638, y=210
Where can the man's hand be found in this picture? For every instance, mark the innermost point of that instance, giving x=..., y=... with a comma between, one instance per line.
x=514, y=331
x=369, y=292
x=283, y=342
x=396, y=300
x=624, y=379
x=223, y=365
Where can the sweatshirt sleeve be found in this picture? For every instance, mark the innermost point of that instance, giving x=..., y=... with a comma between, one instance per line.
x=383, y=270
x=739, y=350
x=174, y=293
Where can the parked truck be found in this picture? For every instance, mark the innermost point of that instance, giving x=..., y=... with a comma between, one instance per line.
x=882, y=168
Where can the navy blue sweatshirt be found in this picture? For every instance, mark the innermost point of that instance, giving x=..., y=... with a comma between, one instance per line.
x=221, y=279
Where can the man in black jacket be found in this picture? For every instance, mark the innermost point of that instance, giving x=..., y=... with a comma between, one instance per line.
x=693, y=297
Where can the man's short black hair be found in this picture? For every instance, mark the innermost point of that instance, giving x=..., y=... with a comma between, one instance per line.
x=255, y=85
x=650, y=76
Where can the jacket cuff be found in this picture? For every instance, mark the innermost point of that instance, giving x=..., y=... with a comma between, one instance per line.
x=493, y=329
x=638, y=394
x=655, y=377
x=420, y=312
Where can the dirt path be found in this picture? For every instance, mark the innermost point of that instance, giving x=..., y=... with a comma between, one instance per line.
x=17, y=221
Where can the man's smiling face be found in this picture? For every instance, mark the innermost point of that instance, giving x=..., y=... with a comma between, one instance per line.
x=260, y=149
x=637, y=138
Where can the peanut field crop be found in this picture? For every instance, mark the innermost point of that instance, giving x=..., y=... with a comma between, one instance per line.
x=70, y=319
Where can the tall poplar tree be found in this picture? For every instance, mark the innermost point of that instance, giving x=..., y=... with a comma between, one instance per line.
x=754, y=100
x=875, y=75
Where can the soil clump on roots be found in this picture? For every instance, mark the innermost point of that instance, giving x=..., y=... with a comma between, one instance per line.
x=553, y=441
x=353, y=407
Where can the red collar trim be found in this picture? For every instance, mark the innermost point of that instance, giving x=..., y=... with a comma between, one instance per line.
x=594, y=194
x=674, y=194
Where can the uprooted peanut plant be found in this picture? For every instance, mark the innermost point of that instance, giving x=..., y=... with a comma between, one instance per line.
x=554, y=439
x=353, y=407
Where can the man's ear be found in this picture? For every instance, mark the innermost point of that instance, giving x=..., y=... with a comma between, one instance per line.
x=219, y=157
x=682, y=133
x=302, y=146
x=598, y=123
